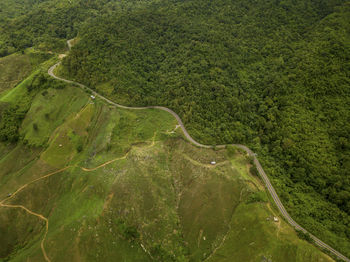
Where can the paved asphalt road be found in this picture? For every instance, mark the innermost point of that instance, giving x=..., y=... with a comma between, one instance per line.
x=249, y=152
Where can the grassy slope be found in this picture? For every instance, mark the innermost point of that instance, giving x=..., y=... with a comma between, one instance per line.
x=16, y=67
x=13, y=69
x=159, y=195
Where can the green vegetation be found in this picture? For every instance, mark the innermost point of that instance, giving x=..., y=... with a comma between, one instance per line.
x=258, y=196
x=10, y=9
x=303, y=235
x=269, y=74
x=15, y=104
x=133, y=189
x=46, y=24
x=14, y=68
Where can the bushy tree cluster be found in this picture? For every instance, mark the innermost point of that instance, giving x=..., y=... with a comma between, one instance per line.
x=13, y=113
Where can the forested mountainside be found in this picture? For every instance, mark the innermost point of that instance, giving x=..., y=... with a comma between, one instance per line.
x=270, y=74
x=86, y=181
x=45, y=24
x=14, y=8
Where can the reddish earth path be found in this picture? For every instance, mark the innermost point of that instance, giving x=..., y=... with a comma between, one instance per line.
x=40, y=216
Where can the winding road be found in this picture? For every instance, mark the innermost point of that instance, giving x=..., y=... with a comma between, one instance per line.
x=261, y=171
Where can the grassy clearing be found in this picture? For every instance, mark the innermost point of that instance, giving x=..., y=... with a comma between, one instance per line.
x=134, y=191
x=48, y=111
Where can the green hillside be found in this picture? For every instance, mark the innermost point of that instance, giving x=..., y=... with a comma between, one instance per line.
x=16, y=67
x=269, y=74
x=121, y=185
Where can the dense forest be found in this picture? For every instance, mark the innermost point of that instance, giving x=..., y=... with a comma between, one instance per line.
x=45, y=24
x=270, y=74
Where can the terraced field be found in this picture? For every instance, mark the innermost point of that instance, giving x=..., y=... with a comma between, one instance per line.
x=90, y=182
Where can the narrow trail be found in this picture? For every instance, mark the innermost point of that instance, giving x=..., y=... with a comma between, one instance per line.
x=118, y=158
x=32, y=212
x=104, y=164
x=33, y=181
x=152, y=143
x=40, y=216
x=261, y=171
x=220, y=245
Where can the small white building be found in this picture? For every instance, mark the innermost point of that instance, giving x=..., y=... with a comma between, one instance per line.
x=275, y=219
x=92, y=97
x=213, y=162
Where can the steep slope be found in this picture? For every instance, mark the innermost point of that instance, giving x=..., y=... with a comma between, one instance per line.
x=16, y=67
x=89, y=182
x=272, y=74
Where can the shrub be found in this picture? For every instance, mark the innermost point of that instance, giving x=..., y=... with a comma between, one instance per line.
x=129, y=232
x=35, y=127
x=253, y=170
x=231, y=150
x=259, y=196
x=305, y=236
x=80, y=147
x=11, y=119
